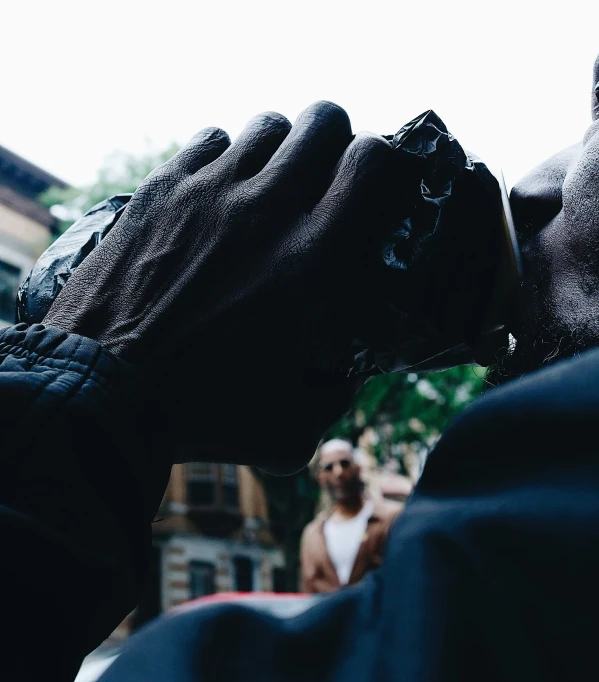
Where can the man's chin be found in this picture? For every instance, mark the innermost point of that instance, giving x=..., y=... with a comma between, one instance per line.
x=529, y=353
x=510, y=366
x=539, y=338
x=342, y=495
x=339, y=497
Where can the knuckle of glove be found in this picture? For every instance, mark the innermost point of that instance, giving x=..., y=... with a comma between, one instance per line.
x=367, y=159
x=269, y=122
x=204, y=147
x=327, y=112
x=371, y=148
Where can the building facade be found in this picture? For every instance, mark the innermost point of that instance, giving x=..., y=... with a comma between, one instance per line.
x=26, y=226
x=211, y=535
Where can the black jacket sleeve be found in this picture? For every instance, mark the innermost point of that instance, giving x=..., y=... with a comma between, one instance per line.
x=78, y=491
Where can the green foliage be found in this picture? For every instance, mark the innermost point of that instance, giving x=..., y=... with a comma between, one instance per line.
x=409, y=408
x=121, y=173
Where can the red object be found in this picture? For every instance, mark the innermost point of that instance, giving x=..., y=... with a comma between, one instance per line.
x=238, y=597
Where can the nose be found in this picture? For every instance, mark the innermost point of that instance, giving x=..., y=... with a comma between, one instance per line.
x=338, y=469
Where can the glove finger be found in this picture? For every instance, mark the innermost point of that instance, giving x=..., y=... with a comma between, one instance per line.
x=301, y=169
x=256, y=144
x=360, y=183
x=348, y=221
x=332, y=249
x=204, y=147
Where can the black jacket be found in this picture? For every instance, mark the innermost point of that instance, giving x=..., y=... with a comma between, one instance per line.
x=76, y=500
x=490, y=573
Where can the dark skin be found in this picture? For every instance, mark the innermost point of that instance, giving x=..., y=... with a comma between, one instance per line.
x=342, y=481
x=556, y=210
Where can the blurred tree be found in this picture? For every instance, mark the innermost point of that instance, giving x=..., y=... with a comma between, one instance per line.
x=408, y=409
x=121, y=173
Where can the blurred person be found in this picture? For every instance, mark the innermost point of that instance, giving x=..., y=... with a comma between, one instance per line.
x=348, y=539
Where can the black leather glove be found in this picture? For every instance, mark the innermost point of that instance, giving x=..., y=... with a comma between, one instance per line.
x=226, y=264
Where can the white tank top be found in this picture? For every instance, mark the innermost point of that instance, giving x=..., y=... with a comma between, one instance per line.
x=343, y=540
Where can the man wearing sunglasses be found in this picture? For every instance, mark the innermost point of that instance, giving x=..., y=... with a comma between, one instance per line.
x=348, y=539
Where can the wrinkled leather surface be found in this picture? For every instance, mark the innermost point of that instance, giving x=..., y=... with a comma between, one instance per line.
x=55, y=266
x=439, y=278
x=226, y=264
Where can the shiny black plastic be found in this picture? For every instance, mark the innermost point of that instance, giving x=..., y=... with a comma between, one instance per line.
x=58, y=262
x=430, y=279
x=438, y=263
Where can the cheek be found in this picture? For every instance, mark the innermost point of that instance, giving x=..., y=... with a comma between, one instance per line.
x=564, y=276
x=550, y=292
x=559, y=299
x=580, y=194
x=578, y=247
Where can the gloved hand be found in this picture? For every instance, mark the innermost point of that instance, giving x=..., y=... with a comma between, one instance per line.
x=225, y=265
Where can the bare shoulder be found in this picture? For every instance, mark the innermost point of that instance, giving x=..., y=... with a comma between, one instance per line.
x=313, y=527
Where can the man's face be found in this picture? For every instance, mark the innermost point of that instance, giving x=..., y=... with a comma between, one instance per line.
x=339, y=474
x=556, y=211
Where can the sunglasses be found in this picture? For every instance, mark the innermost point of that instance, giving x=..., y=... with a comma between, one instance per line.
x=343, y=463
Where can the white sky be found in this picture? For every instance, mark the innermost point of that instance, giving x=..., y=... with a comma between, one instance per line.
x=512, y=80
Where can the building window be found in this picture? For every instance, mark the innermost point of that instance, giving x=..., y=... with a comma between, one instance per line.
x=244, y=574
x=201, y=578
x=279, y=580
x=230, y=487
x=10, y=278
x=212, y=485
x=202, y=479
